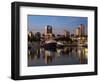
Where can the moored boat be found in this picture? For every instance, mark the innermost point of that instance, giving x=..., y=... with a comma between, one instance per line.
x=50, y=45
x=60, y=45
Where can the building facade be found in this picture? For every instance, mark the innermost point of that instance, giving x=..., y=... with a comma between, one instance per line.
x=80, y=31
x=48, y=32
x=66, y=33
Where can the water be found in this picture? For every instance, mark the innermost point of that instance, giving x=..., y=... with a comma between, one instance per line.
x=64, y=56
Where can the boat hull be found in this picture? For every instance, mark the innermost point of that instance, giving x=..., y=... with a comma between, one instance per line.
x=60, y=46
x=50, y=46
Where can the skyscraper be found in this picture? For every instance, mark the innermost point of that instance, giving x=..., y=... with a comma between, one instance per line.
x=77, y=31
x=48, y=29
x=48, y=32
x=80, y=31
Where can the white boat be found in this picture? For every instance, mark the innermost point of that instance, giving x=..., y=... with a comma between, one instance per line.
x=60, y=45
x=50, y=45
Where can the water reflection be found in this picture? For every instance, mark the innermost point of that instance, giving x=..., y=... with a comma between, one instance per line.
x=65, y=56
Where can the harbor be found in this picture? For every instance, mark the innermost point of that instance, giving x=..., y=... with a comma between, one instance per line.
x=57, y=56
x=50, y=45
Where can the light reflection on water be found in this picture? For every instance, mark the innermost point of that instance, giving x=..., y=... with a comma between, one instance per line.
x=65, y=56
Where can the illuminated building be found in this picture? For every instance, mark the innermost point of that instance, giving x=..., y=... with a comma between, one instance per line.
x=80, y=31
x=66, y=33
x=48, y=32
x=30, y=34
x=48, y=29
x=77, y=31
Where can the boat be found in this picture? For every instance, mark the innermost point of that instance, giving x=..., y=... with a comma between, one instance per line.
x=60, y=45
x=50, y=45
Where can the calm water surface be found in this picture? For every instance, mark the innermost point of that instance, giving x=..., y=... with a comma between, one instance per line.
x=64, y=56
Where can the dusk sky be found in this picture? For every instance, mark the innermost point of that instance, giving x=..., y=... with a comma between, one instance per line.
x=36, y=23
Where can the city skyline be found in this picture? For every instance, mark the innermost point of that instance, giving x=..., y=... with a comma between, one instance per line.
x=37, y=23
x=51, y=41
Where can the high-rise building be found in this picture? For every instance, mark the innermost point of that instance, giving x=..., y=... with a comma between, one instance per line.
x=48, y=29
x=80, y=31
x=66, y=33
x=30, y=36
x=48, y=32
x=77, y=31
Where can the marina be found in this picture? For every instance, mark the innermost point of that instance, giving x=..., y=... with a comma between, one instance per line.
x=51, y=44
x=53, y=55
